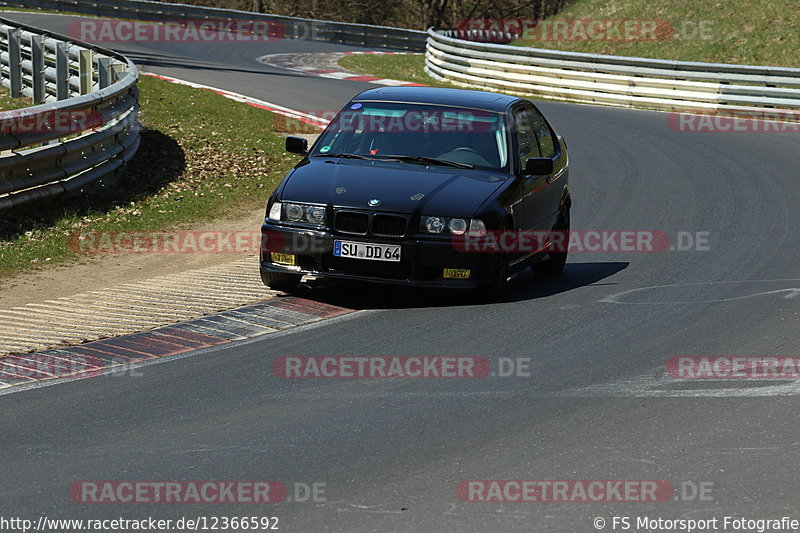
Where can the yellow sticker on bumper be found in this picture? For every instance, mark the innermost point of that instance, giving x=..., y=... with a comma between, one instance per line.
x=456, y=273
x=284, y=259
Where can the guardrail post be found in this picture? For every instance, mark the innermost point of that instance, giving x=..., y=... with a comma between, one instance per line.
x=62, y=71
x=14, y=63
x=85, y=68
x=104, y=74
x=37, y=69
x=118, y=72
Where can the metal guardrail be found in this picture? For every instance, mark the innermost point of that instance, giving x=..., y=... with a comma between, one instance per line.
x=82, y=128
x=291, y=27
x=614, y=80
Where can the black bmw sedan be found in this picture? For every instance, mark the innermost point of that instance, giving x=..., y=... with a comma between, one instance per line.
x=407, y=185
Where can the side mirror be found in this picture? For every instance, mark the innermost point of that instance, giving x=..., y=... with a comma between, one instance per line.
x=297, y=145
x=537, y=166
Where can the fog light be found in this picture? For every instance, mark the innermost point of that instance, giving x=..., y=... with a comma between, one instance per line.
x=456, y=273
x=284, y=259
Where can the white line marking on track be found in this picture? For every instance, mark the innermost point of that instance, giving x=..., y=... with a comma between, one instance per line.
x=648, y=386
x=275, y=108
x=791, y=292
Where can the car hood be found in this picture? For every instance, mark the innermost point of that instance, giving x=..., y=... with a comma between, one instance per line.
x=446, y=191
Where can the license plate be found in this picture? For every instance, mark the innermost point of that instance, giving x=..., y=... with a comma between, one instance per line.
x=364, y=250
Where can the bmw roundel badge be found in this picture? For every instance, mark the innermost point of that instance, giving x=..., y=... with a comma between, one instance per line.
x=374, y=202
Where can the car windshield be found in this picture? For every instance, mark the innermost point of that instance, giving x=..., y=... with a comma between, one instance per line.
x=417, y=133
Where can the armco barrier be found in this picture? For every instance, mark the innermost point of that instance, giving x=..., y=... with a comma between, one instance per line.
x=82, y=128
x=614, y=80
x=291, y=27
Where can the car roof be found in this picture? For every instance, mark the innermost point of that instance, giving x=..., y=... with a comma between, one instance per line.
x=439, y=96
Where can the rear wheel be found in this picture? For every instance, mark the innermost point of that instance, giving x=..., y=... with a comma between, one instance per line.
x=556, y=261
x=279, y=281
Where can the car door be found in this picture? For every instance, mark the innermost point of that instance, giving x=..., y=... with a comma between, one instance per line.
x=549, y=196
x=532, y=212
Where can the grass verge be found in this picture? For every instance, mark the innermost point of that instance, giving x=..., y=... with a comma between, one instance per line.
x=405, y=67
x=8, y=104
x=202, y=157
x=736, y=31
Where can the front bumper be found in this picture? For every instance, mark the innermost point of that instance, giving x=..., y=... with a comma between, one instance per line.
x=423, y=259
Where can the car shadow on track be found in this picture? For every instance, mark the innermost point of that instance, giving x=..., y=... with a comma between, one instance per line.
x=527, y=286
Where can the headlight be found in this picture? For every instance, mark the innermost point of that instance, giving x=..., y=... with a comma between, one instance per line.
x=433, y=224
x=456, y=226
x=315, y=215
x=309, y=214
x=294, y=212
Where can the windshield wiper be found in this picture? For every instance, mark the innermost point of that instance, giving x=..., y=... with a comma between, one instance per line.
x=345, y=156
x=429, y=161
x=408, y=158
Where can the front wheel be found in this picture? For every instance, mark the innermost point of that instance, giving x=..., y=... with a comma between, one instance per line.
x=556, y=261
x=278, y=281
x=497, y=287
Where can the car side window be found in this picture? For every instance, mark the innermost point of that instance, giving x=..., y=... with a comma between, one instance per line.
x=547, y=144
x=527, y=144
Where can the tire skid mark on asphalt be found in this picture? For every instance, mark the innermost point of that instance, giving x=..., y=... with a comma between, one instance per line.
x=93, y=359
x=655, y=385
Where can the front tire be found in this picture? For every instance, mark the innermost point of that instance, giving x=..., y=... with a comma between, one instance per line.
x=497, y=287
x=556, y=261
